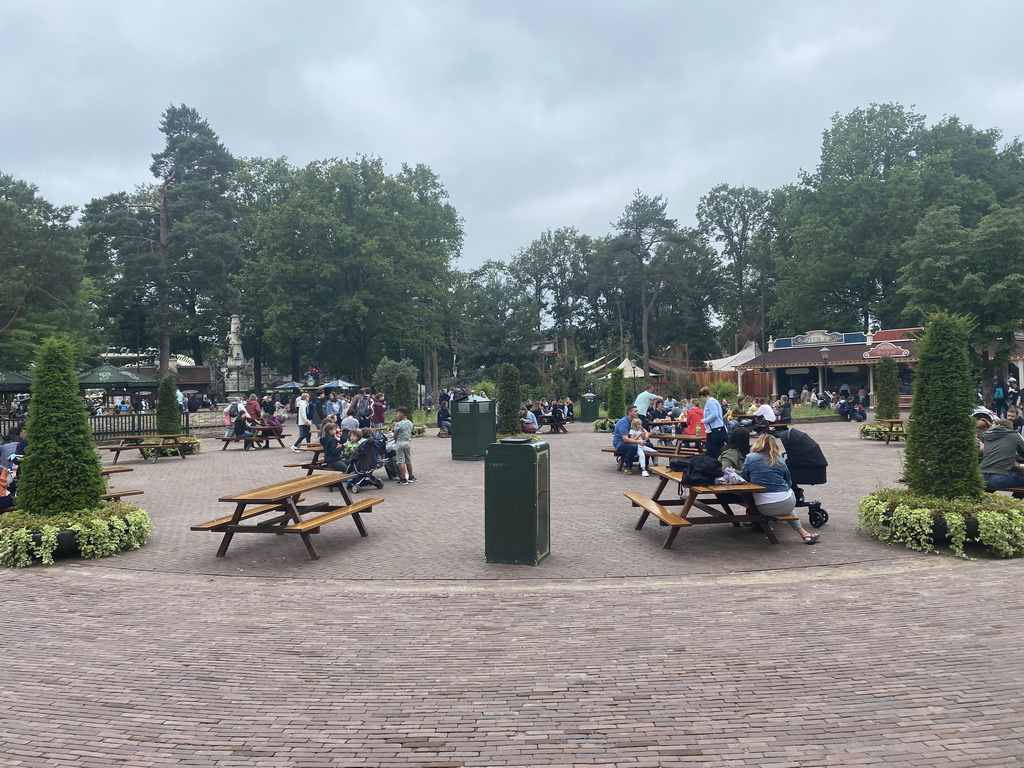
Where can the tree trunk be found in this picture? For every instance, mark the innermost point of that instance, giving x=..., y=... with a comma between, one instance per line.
x=162, y=298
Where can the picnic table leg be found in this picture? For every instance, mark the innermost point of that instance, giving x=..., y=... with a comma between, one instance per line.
x=359, y=524
x=235, y=520
x=643, y=519
x=767, y=524
x=292, y=509
x=671, y=537
x=661, y=487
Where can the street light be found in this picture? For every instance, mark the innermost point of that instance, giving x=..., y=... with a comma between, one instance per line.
x=824, y=367
x=633, y=366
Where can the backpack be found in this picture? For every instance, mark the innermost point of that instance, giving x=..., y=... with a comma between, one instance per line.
x=233, y=411
x=998, y=394
x=701, y=470
x=364, y=410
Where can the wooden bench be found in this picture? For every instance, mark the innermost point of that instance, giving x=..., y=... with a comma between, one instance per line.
x=116, y=495
x=330, y=514
x=221, y=522
x=250, y=440
x=651, y=507
x=684, y=453
x=1009, y=489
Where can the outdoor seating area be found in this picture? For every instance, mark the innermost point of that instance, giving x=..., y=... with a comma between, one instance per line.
x=164, y=445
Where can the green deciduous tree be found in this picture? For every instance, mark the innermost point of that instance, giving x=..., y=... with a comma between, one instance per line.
x=42, y=286
x=941, y=458
x=61, y=471
x=887, y=389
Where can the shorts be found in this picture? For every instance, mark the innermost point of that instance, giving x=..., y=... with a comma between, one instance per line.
x=403, y=453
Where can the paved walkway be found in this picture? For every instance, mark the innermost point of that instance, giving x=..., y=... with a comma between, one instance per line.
x=407, y=649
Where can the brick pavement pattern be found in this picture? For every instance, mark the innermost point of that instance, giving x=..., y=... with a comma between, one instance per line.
x=407, y=649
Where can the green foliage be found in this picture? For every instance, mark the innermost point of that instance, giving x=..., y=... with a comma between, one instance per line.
x=898, y=516
x=388, y=371
x=723, y=390
x=509, y=399
x=403, y=392
x=616, y=402
x=106, y=530
x=872, y=431
x=887, y=389
x=941, y=458
x=192, y=446
x=42, y=273
x=168, y=414
x=61, y=470
x=681, y=384
x=487, y=389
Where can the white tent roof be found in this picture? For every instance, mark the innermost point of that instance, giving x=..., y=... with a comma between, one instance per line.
x=749, y=352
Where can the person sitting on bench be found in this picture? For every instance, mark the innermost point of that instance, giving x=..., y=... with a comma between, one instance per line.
x=623, y=444
x=1001, y=449
x=765, y=466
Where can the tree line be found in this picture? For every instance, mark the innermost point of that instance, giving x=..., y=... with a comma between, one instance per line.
x=343, y=263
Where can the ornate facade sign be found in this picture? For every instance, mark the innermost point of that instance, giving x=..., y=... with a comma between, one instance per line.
x=886, y=349
x=817, y=337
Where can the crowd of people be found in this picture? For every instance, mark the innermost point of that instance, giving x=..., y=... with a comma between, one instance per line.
x=726, y=439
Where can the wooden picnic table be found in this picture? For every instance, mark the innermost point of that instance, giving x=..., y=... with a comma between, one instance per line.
x=700, y=498
x=111, y=494
x=112, y=470
x=135, y=443
x=554, y=426
x=281, y=500
x=260, y=432
x=893, y=428
x=683, y=444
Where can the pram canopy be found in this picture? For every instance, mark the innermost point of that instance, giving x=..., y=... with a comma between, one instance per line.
x=806, y=462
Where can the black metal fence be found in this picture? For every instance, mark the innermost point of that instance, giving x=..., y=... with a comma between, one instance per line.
x=104, y=427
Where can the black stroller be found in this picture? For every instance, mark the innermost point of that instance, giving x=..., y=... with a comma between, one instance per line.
x=807, y=465
x=362, y=465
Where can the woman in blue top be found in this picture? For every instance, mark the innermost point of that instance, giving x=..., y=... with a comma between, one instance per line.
x=765, y=466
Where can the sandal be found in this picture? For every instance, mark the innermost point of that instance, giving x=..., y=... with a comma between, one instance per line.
x=812, y=539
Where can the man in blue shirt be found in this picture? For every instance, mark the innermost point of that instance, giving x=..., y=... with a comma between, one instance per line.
x=621, y=440
x=713, y=422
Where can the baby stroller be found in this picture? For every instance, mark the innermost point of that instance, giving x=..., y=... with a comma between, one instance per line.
x=807, y=465
x=362, y=465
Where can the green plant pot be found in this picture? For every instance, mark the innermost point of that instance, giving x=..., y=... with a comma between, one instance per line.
x=67, y=543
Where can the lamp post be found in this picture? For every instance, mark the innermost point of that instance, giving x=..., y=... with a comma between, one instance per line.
x=633, y=366
x=824, y=367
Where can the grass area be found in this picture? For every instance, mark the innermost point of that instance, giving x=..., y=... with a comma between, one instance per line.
x=807, y=412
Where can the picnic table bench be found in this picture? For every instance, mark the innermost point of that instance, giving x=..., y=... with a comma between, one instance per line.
x=554, y=426
x=135, y=443
x=700, y=498
x=116, y=495
x=281, y=500
x=261, y=432
x=893, y=429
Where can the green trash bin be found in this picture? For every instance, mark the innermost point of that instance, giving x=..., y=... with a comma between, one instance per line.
x=589, y=409
x=473, y=427
x=517, y=501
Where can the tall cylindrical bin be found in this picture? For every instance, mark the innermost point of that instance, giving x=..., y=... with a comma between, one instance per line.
x=517, y=501
x=589, y=409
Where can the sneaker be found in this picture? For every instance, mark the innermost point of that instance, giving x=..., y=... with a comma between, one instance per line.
x=645, y=473
x=403, y=482
x=627, y=471
x=295, y=448
x=412, y=479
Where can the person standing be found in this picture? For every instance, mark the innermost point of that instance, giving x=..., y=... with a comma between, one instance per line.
x=402, y=427
x=333, y=405
x=380, y=407
x=644, y=400
x=714, y=423
x=302, y=408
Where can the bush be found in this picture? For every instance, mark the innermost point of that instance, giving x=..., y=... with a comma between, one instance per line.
x=106, y=530
x=402, y=392
x=61, y=470
x=887, y=389
x=487, y=389
x=168, y=414
x=509, y=399
x=941, y=458
x=616, y=403
x=723, y=390
x=898, y=516
x=387, y=370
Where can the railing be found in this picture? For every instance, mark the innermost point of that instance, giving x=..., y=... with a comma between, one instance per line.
x=104, y=427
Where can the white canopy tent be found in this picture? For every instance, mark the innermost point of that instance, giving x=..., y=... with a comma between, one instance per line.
x=749, y=352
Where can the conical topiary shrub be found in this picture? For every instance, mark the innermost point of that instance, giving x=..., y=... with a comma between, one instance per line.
x=61, y=470
x=508, y=400
x=887, y=389
x=168, y=415
x=616, y=395
x=941, y=457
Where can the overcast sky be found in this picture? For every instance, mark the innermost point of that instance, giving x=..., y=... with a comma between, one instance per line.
x=535, y=114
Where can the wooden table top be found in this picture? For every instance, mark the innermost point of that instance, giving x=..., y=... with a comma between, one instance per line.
x=270, y=494
x=112, y=470
x=146, y=437
x=672, y=476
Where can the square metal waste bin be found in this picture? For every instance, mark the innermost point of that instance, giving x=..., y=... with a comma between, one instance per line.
x=473, y=427
x=517, y=501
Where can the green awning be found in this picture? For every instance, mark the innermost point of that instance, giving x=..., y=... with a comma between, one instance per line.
x=14, y=382
x=112, y=377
